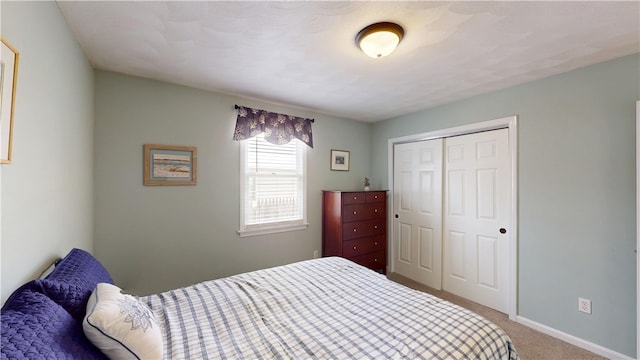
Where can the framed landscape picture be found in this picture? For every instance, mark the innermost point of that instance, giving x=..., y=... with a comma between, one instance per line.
x=170, y=165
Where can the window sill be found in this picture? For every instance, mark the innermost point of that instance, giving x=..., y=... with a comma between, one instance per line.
x=272, y=230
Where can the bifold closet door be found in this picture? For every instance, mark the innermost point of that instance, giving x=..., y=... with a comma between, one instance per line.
x=476, y=217
x=417, y=211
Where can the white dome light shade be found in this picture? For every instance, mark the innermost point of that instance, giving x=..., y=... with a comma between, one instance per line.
x=379, y=39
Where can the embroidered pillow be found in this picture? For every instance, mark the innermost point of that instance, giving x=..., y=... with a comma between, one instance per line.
x=121, y=326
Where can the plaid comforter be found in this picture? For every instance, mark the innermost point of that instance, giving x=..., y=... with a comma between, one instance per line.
x=328, y=308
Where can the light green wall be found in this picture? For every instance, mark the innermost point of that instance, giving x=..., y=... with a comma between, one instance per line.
x=155, y=238
x=576, y=193
x=47, y=201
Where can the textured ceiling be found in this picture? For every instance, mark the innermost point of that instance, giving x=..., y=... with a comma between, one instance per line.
x=303, y=53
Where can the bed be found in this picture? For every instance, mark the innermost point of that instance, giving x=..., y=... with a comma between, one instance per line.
x=327, y=308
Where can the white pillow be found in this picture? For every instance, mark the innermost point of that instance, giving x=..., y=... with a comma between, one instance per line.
x=121, y=326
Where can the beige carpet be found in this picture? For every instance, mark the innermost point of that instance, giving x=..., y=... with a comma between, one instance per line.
x=530, y=344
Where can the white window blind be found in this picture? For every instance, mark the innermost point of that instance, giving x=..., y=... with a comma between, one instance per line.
x=273, y=194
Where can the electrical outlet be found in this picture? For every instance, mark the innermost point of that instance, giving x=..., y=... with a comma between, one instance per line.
x=584, y=305
x=315, y=254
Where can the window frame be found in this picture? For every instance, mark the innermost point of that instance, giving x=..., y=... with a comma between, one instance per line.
x=277, y=227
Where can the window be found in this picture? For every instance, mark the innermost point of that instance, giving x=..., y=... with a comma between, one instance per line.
x=273, y=188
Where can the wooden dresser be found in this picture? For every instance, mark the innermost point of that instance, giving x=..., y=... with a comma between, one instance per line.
x=354, y=226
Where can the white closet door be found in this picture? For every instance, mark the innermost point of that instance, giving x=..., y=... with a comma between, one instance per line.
x=476, y=217
x=417, y=211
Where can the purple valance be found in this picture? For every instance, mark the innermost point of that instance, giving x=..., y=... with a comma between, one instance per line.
x=278, y=129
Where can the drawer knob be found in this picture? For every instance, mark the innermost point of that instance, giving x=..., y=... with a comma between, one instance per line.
x=375, y=243
x=355, y=198
x=375, y=196
x=354, y=248
x=375, y=210
x=354, y=230
x=375, y=226
x=375, y=260
x=355, y=213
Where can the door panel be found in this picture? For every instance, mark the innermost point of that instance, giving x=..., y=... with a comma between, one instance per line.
x=487, y=262
x=486, y=194
x=455, y=193
x=426, y=245
x=426, y=201
x=404, y=241
x=405, y=191
x=457, y=255
x=417, y=228
x=477, y=198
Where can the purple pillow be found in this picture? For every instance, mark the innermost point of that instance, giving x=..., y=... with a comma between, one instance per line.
x=32, y=326
x=81, y=268
x=71, y=297
x=71, y=282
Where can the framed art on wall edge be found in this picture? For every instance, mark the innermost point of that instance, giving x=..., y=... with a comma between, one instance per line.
x=8, y=80
x=339, y=160
x=170, y=165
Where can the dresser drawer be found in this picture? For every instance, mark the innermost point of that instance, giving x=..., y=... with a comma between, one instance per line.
x=358, y=229
x=375, y=196
x=356, y=212
x=375, y=261
x=353, y=198
x=362, y=246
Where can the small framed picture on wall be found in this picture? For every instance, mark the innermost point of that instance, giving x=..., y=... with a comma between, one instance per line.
x=170, y=165
x=339, y=160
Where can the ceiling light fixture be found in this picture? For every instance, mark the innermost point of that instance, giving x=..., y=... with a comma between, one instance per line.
x=379, y=39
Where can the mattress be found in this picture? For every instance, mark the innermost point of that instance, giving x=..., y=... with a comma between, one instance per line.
x=327, y=308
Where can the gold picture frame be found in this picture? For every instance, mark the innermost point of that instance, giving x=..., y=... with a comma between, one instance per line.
x=170, y=165
x=8, y=81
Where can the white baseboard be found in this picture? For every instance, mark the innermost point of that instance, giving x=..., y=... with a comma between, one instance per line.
x=594, y=348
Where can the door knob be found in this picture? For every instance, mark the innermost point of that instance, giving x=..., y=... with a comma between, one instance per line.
x=503, y=231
